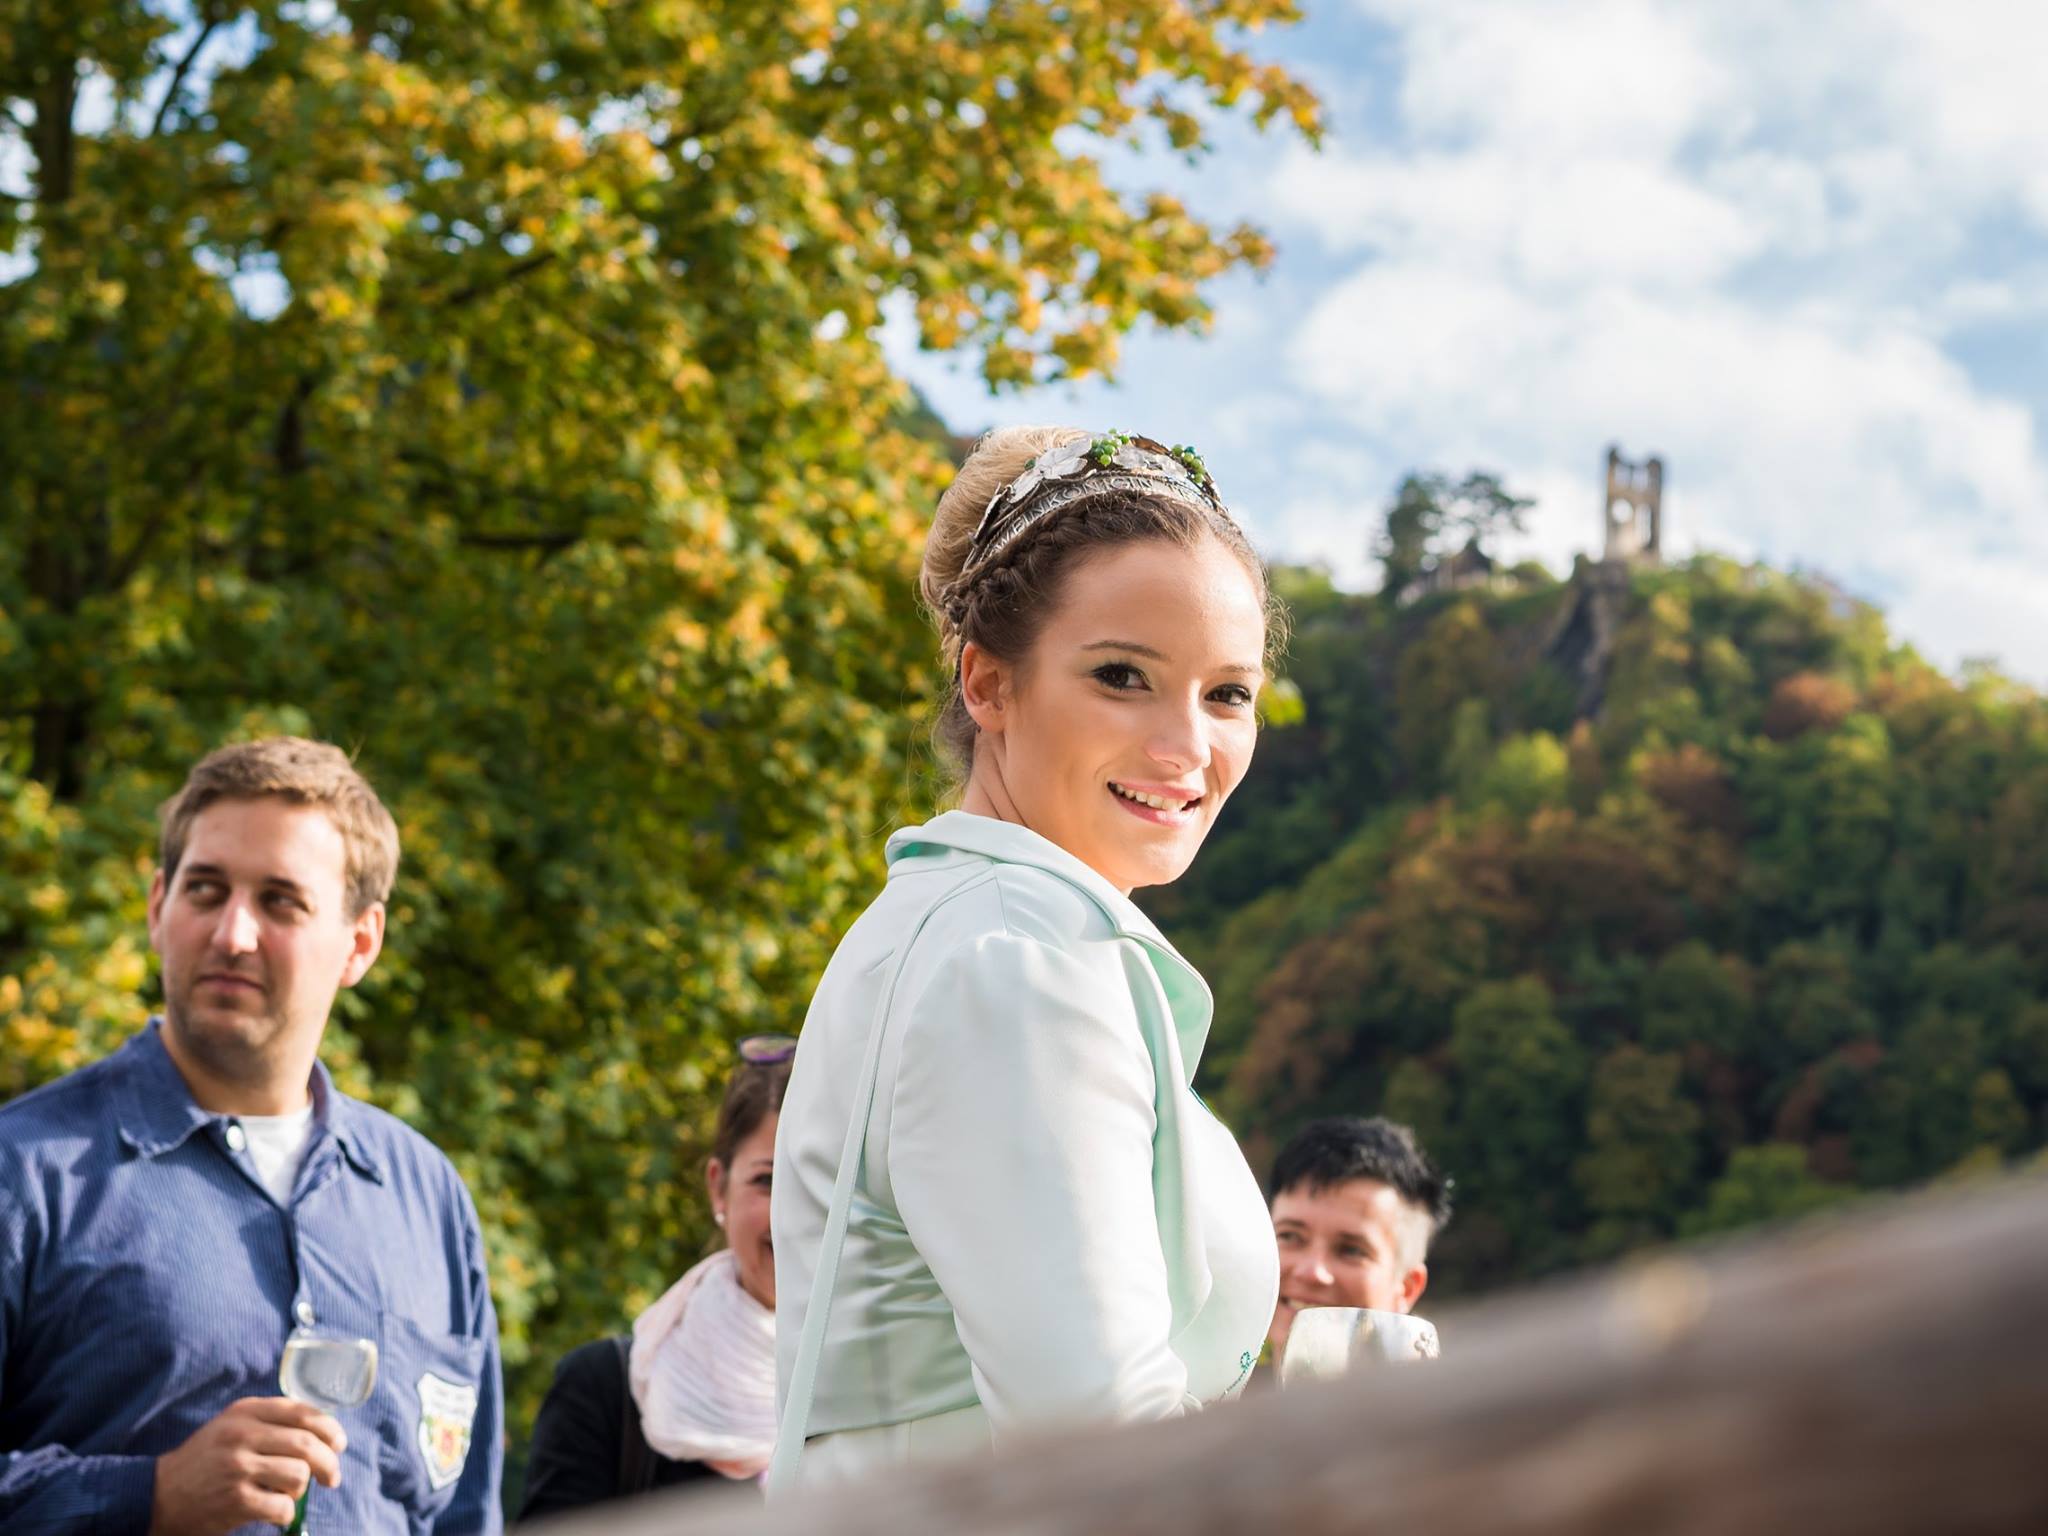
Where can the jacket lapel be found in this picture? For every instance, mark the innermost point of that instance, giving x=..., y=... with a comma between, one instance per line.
x=1187, y=995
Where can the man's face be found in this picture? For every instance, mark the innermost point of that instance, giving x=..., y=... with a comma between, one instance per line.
x=1355, y=1244
x=256, y=938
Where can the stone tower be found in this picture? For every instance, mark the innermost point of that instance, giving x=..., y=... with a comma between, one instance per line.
x=1634, y=509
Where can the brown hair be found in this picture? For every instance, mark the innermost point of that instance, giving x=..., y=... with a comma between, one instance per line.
x=304, y=773
x=752, y=1094
x=1004, y=604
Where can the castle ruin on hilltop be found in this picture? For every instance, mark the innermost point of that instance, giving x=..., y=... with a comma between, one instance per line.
x=1582, y=640
x=1634, y=515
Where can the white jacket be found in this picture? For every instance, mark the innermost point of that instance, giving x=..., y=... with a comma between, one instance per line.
x=1048, y=1225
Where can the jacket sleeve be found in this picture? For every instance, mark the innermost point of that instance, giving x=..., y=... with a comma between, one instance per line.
x=50, y=1489
x=52, y=1492
x=574, y=1458
x=475, y=1510
x=1021, y=1155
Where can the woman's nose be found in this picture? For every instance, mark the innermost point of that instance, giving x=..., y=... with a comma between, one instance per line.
x=1179, y=742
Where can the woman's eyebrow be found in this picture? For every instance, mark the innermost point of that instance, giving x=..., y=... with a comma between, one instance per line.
x=1131, y=646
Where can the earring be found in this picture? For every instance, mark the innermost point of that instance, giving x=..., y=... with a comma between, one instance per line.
x=719, y=1217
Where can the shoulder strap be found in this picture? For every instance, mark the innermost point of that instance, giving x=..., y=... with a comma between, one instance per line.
x=636, y=1456
x=803, y=1376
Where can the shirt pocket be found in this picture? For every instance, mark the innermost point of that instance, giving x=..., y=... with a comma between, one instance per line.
x=429, y=1386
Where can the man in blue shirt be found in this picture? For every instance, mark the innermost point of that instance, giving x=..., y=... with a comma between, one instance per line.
x=169, y=1215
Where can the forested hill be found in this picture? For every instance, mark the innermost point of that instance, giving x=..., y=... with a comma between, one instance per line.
x=1658, y=901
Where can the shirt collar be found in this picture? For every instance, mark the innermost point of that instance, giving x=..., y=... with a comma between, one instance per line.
x=1187, y=993
x=157, y=1111
x=156, y=1108
x=1010, y=843
x=344, y=1120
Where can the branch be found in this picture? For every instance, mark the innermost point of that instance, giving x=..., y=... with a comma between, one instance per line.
x=288, y=443
x=54, y=138
x=443, y=478
x=505, y=279
x=125, y=568
x=178, y=76
x=552, y=543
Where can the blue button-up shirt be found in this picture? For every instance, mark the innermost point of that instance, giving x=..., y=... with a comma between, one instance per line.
x=147, y=1280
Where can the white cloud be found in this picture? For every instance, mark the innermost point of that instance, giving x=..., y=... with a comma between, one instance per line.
x=1737, y=235
x=1801, y=251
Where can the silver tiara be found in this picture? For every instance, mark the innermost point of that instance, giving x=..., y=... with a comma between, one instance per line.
x=1080, y=471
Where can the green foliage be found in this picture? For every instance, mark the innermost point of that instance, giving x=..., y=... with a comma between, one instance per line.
x=1433, y=516
x=1444, y=689
x=1642, y=1139
x=560, y=475
x=1767, y=1183
x=1765, y=925
x=1520, y=1075
x=1520, y=777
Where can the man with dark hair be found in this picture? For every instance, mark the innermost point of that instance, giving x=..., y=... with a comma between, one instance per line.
x=172, y=1214
x=1355, y=1203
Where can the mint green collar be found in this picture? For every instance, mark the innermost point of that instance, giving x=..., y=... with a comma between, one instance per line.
x=1187, y=994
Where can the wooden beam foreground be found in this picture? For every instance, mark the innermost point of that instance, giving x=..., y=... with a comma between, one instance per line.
x=1875, y=1374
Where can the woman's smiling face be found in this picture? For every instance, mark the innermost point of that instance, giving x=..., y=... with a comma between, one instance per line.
x=1122, y=732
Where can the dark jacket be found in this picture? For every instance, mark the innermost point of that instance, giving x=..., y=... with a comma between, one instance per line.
x=587, y=1442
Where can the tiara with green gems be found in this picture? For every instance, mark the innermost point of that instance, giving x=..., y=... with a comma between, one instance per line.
x=1080, y=471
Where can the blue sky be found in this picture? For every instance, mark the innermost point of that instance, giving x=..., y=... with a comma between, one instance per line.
x=1799, y=250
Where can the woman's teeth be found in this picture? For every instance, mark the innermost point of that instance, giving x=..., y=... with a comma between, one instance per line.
x=1157, y=802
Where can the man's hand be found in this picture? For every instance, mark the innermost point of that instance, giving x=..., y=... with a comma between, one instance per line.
x=250, y=1463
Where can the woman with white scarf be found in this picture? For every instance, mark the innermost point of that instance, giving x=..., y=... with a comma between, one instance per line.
x=690, y=1392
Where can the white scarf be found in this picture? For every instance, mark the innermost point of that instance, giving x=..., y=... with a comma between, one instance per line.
x=702, y=1369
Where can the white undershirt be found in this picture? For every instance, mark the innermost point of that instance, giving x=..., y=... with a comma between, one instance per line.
x=277, y=1145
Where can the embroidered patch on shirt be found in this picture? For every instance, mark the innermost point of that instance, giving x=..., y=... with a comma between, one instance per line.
x=447, y=1409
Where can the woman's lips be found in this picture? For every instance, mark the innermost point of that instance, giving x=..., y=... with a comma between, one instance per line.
x=1178, y=812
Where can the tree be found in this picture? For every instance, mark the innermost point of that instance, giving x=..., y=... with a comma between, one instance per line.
x=1776, y=907
x=1761, y=1184
x=1520, y=1080
x=1698, y=1000
x=1642, y=1149
x=1413, y=523
x=1432, y=516
x=1451, y=666
x=496, y=389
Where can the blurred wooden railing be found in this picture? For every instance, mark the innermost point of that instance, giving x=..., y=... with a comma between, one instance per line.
x=1875, y=1374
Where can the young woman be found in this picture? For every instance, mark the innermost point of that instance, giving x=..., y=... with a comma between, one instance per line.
x=998, y=1203
x=689, y=1393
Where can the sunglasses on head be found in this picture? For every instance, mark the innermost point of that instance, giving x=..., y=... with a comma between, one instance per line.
x=767, y=1050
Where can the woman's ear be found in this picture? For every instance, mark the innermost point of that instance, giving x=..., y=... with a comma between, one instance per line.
x=714, y=1184
x=984, y=686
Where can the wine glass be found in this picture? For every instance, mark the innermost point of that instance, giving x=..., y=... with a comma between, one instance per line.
x=330, y=1371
